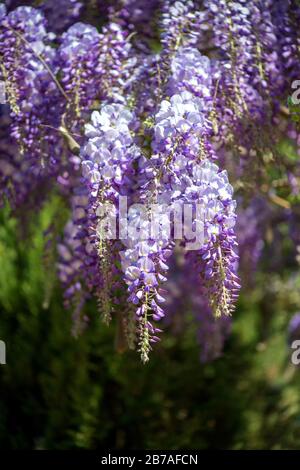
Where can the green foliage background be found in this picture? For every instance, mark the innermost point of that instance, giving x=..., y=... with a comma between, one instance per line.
x=58, y=392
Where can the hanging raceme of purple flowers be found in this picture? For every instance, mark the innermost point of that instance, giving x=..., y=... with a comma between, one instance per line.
x=169, y=106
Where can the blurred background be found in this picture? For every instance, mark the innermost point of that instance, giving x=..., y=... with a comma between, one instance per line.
x=59, y=392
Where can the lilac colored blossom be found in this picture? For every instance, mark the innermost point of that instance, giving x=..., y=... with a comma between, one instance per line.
x=137, y=16
x=180, y=24
x=31, y=93
x=78, y=56
x=60, y=15
x=105, y=65
x=95, y=113
x=285, y=18
x=18, y=184
x=109, y=149
x=217, y=258
x=93, y=66
x=180, y=180
x=107, y=159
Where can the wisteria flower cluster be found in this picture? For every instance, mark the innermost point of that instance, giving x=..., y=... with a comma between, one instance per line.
x=145, y=123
